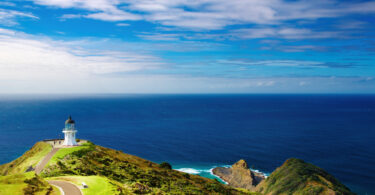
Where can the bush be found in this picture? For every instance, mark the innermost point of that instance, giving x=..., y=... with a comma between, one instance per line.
x=165, y=165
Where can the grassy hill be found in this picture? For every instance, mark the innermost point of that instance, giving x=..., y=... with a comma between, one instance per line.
x=27, y=183
x=298, y=177
x=136, y=175
x=30, y=158
x=107, y=171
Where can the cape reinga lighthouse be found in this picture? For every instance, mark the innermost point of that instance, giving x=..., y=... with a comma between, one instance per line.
x=70, y=133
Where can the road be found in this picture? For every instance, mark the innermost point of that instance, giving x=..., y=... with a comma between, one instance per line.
x=68, y=188
x=45, y=160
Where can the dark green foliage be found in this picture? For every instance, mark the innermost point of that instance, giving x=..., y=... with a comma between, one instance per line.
x=165, y=165
x=186, y=175
x=35, y=185
x=81, y=153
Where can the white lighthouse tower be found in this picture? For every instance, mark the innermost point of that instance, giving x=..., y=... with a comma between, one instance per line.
x=70, y=133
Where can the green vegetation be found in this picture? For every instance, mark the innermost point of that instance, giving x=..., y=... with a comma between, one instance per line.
x=31, y=158
x=165, y=165
x=107, y=171
x=96, y=185
x=27, y=183
x=77, y=151
x=135, y=174
x=298, y=177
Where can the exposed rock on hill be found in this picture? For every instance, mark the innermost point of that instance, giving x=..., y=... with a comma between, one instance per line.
x=239, y=175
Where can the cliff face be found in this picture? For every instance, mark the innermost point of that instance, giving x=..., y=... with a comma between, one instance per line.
x=298, y=177
x=239, y=175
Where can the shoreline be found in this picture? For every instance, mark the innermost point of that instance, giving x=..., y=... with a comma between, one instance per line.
x=212, y=173
x=257, y=173
x=202, y=172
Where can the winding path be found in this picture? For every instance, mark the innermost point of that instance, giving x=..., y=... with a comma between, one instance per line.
x=67, y=188
x=39, y=167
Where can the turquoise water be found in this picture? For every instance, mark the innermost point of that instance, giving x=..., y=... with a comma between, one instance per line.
x=199, y=132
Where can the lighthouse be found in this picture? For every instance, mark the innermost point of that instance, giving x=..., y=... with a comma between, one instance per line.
x=70, y=133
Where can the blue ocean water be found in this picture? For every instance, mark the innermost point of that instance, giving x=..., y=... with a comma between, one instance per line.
x=197, y=132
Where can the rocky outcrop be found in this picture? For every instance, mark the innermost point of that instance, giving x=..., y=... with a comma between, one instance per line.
x=239, y=175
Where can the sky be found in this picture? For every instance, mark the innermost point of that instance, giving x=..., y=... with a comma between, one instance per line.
x=187, y=46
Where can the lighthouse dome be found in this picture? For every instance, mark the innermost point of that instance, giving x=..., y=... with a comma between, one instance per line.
x=69, y=121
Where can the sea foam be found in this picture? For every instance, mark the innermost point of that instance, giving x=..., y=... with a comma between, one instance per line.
x=190, y=170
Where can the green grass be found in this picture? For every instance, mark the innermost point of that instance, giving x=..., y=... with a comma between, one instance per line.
x=298, y=177
x=60, y=154
x=13, y=184
x=97, y=185
x=29, y=158
x=134, y=174
x=17, y=184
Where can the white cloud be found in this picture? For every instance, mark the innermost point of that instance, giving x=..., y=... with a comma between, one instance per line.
x=7, y=4
x=212, y=14
x=284, y=33
x=9, y=17
x=284, y=63
x=160, y=37
x=7, y=32
x=31, y=57
x=122, y=24
x=113, y=16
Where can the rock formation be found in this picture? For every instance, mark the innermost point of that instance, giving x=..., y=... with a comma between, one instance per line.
x=239, y=175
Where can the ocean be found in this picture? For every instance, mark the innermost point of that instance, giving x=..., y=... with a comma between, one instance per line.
x=195, y=133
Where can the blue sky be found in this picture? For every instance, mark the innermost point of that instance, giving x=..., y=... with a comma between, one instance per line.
x=187, y=46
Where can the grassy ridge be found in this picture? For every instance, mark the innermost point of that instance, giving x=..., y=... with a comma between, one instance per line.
x=136, y=174
x=30, y=158
x=298, y=177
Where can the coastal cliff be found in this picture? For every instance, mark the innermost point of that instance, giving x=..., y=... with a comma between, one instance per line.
x=294, y=177
x=239, y=175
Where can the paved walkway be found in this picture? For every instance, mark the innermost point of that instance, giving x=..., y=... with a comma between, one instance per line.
x=39, y=167
x=68, y=188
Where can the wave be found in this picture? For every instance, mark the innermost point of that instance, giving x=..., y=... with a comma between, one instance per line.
x=208, y=172
x=193, y=171
x=260, y=172
x=202, y=172
x=189, y=170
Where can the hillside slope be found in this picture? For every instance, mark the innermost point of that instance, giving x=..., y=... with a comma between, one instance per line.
x=125, y=173
x=27, y=161
x=109, y=171
x=28, y=183
x=298, y=177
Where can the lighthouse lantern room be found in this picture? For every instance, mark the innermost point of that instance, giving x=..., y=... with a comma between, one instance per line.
x=70, y=133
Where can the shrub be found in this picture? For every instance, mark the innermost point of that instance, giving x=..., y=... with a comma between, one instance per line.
x=165, y=165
